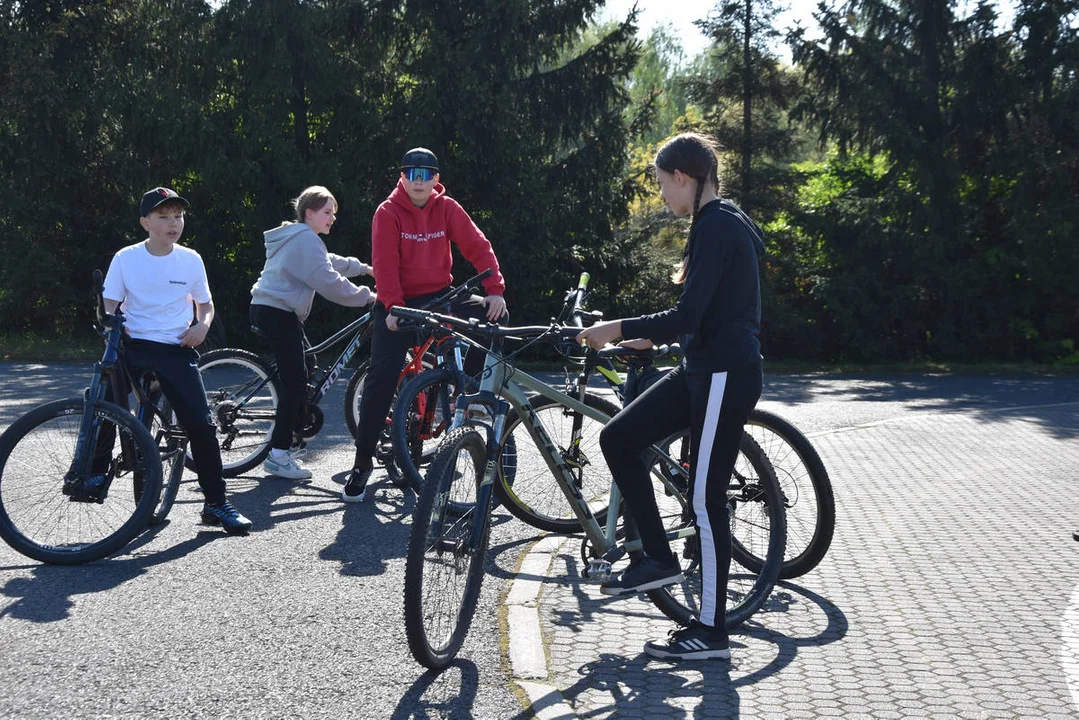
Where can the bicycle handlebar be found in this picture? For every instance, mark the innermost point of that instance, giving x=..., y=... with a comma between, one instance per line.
x=104, y=319
x=475, y=327
x=456, y=292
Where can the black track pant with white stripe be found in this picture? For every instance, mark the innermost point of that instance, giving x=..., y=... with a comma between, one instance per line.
x=715, y=407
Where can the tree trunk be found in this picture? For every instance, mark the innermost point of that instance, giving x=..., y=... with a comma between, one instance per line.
x=747, y=105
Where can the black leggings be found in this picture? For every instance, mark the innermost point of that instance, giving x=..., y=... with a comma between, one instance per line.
x=714, y=406
x=284, y=331
x=388, y=351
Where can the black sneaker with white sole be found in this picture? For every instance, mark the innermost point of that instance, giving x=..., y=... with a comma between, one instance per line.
x=648, y=574
x=694, y=642
x=356, y=485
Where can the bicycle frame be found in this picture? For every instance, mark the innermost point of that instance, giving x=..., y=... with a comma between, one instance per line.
x=360, y=326
x=360, y=329
x=496, y=383
x=104, y=370
x=105, y=378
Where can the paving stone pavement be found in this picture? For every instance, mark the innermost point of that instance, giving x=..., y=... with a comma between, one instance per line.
x=951, y=590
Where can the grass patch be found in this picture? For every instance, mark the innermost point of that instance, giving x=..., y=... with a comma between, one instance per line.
x=29, y=347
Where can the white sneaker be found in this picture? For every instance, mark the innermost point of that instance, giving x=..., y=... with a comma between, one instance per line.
x=288, y=467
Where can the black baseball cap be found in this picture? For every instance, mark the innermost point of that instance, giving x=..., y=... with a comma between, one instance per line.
x=155, y=197
x=419, y=157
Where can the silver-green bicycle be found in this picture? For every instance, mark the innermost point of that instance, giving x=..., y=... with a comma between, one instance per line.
x=451, y=524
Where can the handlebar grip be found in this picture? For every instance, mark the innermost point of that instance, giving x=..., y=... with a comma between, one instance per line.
x=623, y=353
x=582, y=284
x=99, y=299
x=485, y=274
x=420, y=316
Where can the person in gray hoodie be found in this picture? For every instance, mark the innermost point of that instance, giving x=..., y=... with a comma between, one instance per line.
x=297, y=266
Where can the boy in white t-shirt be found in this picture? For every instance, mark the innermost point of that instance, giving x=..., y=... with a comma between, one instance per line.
x=154, y=282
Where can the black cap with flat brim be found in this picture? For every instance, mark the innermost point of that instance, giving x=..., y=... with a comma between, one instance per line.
x=419, y=157
x=155, y=197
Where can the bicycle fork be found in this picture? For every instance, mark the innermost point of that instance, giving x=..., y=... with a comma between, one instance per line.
x=467, y=544
x=80, y=484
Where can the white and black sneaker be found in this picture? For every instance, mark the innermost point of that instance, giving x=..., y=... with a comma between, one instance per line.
x=695, y=642
x=356, y=486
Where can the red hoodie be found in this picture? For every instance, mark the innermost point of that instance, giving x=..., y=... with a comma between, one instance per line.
x=410, y=246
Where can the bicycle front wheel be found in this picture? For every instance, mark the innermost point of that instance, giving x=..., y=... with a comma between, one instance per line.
x=171, y=450
x=806, y=487
x=444, y=563
x=39, y=514
x=758, y=529
x=525, y=484
x=242, y=394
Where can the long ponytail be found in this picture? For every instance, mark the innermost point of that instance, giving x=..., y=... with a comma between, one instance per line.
x=694, y=155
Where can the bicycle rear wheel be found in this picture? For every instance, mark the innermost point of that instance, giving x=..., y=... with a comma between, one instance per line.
x=758, y=528
x=242, y=394
x=806, y=487
x=529, y=491
x=422, y=415
x=444, y=563
x=37, y=455
x=353, y=394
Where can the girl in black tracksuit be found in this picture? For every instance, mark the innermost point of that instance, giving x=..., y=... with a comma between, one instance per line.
x=717, y=319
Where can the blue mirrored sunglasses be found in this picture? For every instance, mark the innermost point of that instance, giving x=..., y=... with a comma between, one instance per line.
x=413, y=174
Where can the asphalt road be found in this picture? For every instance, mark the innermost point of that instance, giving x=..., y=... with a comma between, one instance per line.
x=303, y=618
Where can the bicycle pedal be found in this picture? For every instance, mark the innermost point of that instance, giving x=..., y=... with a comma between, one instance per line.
x=597, y=570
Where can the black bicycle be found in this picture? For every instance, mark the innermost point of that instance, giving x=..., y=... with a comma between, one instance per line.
x=82, y=477
x=242, y=390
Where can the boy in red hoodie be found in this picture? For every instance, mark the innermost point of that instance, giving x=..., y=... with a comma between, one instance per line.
x=410, y=251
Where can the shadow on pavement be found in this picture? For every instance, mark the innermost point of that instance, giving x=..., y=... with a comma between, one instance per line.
x=1051, y=402
x=634, y=685
x=449, y=693
x=702, y=689
x=373, y=531
x=47, y=595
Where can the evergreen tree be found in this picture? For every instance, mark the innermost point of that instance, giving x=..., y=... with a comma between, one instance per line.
x=530, y=139
x=745, y=92
x=92, y=113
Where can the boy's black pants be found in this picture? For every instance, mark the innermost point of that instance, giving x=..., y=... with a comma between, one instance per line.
x=177, y=371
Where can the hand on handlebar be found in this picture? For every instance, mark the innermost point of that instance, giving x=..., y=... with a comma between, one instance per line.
x=496, y=307
x=600, y=334
x=637, y=344
x=391, y=322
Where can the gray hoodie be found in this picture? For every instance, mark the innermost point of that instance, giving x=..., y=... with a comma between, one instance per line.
x=298, y=265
